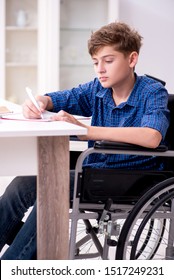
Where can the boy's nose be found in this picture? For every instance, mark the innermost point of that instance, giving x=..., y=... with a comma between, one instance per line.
x=101, y=68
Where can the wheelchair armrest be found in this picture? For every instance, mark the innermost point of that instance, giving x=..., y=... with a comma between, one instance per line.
x=111, y=145
x=73, y=138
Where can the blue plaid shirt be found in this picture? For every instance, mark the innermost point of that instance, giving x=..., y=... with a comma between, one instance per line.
x=145, y=107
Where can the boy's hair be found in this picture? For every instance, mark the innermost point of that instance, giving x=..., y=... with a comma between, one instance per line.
x=116, y=34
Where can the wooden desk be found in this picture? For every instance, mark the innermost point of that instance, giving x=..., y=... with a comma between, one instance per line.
x=42, y=148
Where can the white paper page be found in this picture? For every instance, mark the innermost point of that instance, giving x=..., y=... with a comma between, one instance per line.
x=46, y=116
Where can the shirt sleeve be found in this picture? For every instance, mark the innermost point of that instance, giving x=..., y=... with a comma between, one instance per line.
x=157, y=114
x=78, y=101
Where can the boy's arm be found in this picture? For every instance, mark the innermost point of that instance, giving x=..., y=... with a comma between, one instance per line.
x=143, y=136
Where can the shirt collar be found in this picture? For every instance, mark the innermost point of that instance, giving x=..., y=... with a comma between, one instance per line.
x=132, y=100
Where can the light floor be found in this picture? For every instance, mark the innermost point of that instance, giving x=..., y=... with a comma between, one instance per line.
x=4, y=181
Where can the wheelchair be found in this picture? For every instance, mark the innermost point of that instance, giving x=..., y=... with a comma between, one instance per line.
x=110, y=219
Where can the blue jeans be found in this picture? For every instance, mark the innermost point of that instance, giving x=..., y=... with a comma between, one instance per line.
x=18, y=197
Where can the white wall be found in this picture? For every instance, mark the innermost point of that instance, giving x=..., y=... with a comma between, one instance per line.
x=154, y=20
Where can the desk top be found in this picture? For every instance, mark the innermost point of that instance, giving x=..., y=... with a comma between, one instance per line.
x=18, y=140
x=15, y=128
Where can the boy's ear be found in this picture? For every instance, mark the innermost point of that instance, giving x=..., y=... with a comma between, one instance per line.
x=133, y=59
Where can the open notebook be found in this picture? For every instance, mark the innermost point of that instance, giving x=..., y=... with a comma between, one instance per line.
x=46, y=116
x=4, y=110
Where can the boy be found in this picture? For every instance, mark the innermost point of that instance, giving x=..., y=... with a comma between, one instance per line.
x=124, y=107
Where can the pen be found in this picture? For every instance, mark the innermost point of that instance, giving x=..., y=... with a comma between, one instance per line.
x=30, y=95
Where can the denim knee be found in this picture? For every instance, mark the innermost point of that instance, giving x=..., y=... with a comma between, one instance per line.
x=23, y=190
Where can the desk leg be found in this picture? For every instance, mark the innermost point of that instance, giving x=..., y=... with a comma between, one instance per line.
x=53, y=198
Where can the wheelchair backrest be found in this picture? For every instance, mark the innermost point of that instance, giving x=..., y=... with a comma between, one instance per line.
x=170, y=132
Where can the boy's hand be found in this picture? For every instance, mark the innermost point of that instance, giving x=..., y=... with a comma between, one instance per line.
x=66, y=117
x=29, y=109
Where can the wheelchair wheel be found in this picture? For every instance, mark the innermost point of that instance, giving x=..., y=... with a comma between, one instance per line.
x=148, y=232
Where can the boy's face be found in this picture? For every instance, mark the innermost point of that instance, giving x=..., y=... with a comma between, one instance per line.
x=113, y=68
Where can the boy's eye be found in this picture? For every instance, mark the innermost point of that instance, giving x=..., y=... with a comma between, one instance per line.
x=109, y=61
